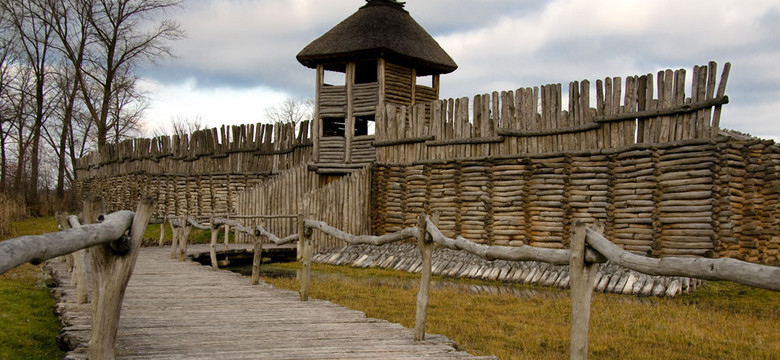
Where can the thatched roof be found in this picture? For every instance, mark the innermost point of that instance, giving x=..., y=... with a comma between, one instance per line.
x=381, y=28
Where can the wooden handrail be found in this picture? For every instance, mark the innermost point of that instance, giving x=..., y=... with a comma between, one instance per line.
x=38, y=248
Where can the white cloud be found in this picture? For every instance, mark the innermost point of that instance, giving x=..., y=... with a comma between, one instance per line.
x=499, y=45
x=214, y=106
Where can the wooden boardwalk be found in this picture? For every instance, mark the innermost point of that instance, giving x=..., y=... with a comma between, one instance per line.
x=184, y=310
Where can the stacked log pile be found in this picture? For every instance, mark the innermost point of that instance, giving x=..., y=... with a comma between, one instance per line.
x=608, y=277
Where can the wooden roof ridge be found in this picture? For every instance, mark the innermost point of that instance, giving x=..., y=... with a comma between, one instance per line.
x=381, y=28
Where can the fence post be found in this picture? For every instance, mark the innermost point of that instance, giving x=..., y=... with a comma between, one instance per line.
x=184, y=235
x=256, y=260
x=580, y=274
x=304, y=236
x=174, y=238
x=213, y=244
x=162, y=231
x=79, y=275
x=426, y=250
x=112, y=266
x=227, y=234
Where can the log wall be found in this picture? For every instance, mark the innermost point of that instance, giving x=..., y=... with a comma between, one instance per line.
x=202, y=172
x=714, y=198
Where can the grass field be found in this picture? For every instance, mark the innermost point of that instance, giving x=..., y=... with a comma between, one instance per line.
x=29, y=327
x=720, y=321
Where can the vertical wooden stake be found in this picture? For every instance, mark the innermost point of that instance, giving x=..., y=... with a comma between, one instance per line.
x=213, y=244
x=184, y=235
x=79, y=265
x=174, y=239
x=257, y=260
x=111, y=273
x=227, y=235
x=581, y=278
x=426, y=250
x=162, y=232
x=308, y=252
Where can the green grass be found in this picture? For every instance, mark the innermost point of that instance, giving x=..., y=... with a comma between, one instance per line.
x=720, y=321
x=29, y=327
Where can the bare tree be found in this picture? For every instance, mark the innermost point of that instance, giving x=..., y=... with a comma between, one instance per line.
x=291, y=110
x=180, y=125
x=118, y=34
x=27, y=19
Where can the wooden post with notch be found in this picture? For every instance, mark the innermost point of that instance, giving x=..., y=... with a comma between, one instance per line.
x=426, y=250
x=580, y=274
x=112, y=266
x=308, y=251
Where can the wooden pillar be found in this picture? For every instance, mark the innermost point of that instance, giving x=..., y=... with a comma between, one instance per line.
x=112, y=267
x=436, y=79
x=426, y=250
x=162, y=231
x=349, y=121
x=257, y=260
x=184, y=235
x=308, y=252
x=580, y=275
x=174, y=239
x=316, y=131
x=227, y=235
x=213, y=244
x=414, y=87
x=381, y=78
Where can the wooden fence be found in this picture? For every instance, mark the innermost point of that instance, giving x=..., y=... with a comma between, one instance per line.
x=531, y=120
x=204, y=170
x=588, y=247
x=112, y=257
x=344, y=203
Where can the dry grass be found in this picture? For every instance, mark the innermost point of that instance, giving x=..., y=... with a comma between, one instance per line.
x=720, y=321
x=11, y=209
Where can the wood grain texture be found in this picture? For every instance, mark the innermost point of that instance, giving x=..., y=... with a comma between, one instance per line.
x=183, y=310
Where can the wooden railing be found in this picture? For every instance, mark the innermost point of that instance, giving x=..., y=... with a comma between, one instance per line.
x=113, y=241
x=587, y=247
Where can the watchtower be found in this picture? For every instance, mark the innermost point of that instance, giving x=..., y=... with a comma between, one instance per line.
x=377, y=56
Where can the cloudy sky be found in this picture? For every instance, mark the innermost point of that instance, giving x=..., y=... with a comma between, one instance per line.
x=239, y=55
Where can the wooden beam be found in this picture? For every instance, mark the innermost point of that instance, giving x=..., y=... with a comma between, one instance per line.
x=765, y=277
x=349, y=121
x=718, y=101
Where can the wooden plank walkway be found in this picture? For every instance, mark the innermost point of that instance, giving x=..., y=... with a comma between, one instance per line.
x=184, y=310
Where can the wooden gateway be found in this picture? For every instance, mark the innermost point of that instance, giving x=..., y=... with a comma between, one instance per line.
x=386, y=58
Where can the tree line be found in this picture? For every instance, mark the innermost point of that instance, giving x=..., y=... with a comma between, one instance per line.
x=69, y=85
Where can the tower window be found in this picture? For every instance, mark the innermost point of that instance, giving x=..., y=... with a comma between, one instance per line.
x=365, y=72
x=332, y=127
x=364, y=125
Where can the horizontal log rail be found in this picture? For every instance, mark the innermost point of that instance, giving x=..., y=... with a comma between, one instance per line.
x=587, y=248
x=38, y=248
x=114, y=242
